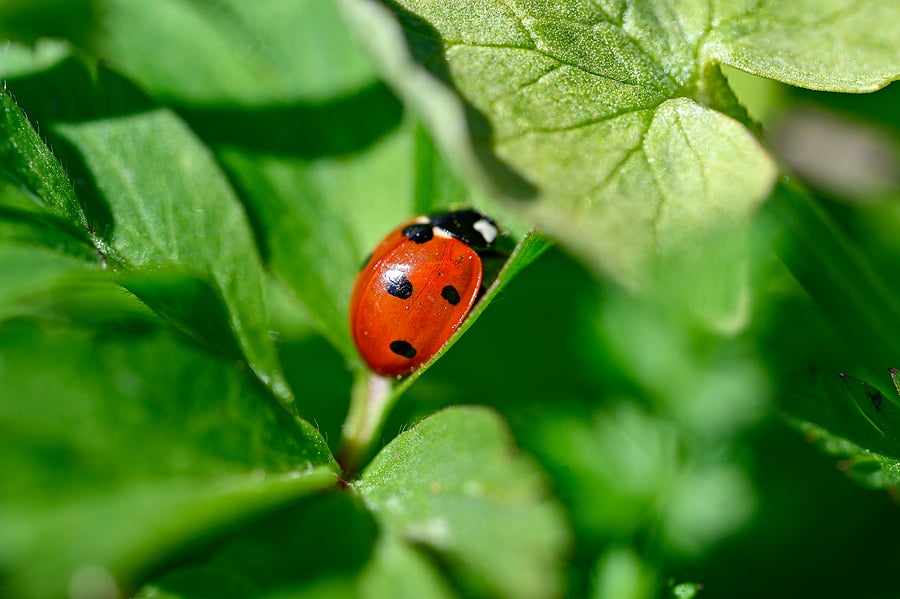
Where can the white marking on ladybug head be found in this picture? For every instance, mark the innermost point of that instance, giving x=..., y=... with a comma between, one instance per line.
x=487, y=230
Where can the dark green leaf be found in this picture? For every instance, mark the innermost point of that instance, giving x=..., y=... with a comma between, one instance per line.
x=855, y=420
x=150, y=444
x=36, y=182
x=455, y=485
x=170, y=206
x=315, y=548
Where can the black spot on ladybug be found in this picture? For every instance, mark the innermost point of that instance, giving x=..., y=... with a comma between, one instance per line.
x=450, y=294
x=397, y=284
x=876, y=398
x=419, y=233
x=403, y=348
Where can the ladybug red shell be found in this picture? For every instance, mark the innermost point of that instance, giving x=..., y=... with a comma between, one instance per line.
x=417, y=288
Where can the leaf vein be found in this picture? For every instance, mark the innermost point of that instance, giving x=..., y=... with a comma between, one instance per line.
x=580, y=125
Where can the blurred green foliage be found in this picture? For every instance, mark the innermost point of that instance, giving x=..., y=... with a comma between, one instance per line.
x=187, y=188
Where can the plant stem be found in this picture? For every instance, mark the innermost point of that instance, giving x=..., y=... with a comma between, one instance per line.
x=370, y=403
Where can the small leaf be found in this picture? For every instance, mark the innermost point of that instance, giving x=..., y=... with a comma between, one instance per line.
x=150, y=444
x=852, y=418
x=455, y=485
x=882, y=410
x=27, y=165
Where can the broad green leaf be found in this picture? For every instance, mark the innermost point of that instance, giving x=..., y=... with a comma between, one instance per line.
x=233, y=52
x=601, y=121
x=171, y=207
x=455, y=485
x=151, y=443
x=839, y=46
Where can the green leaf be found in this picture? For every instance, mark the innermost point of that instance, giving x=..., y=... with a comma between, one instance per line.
x=314, y=548
x=37, y=182
x=322, y=547
x=622, y=575
x=855, y=420
x=398, y=571
x=604, y=124
x=32, y=274
x=455, y=485
x=621, y=470
x=151, y=443
x=322, y=217
x=171, y=207
x=854, y=409
x=245, y=53
x=838, y=46
x=18, y=60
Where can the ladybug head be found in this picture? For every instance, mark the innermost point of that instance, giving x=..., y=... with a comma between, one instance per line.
x=469, y=226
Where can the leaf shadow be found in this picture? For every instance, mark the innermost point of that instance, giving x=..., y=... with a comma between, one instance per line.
x=338, y=126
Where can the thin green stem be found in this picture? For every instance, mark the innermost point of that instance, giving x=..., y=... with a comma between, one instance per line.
x=370, y=402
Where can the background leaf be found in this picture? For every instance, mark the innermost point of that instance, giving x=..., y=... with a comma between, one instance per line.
x=151, y=444
x=157, y=200
x=454, y=485
x=263, y=55
x=855, y=420
x=323, y=547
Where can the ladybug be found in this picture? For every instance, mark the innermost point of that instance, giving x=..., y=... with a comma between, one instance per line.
x=417, y=288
